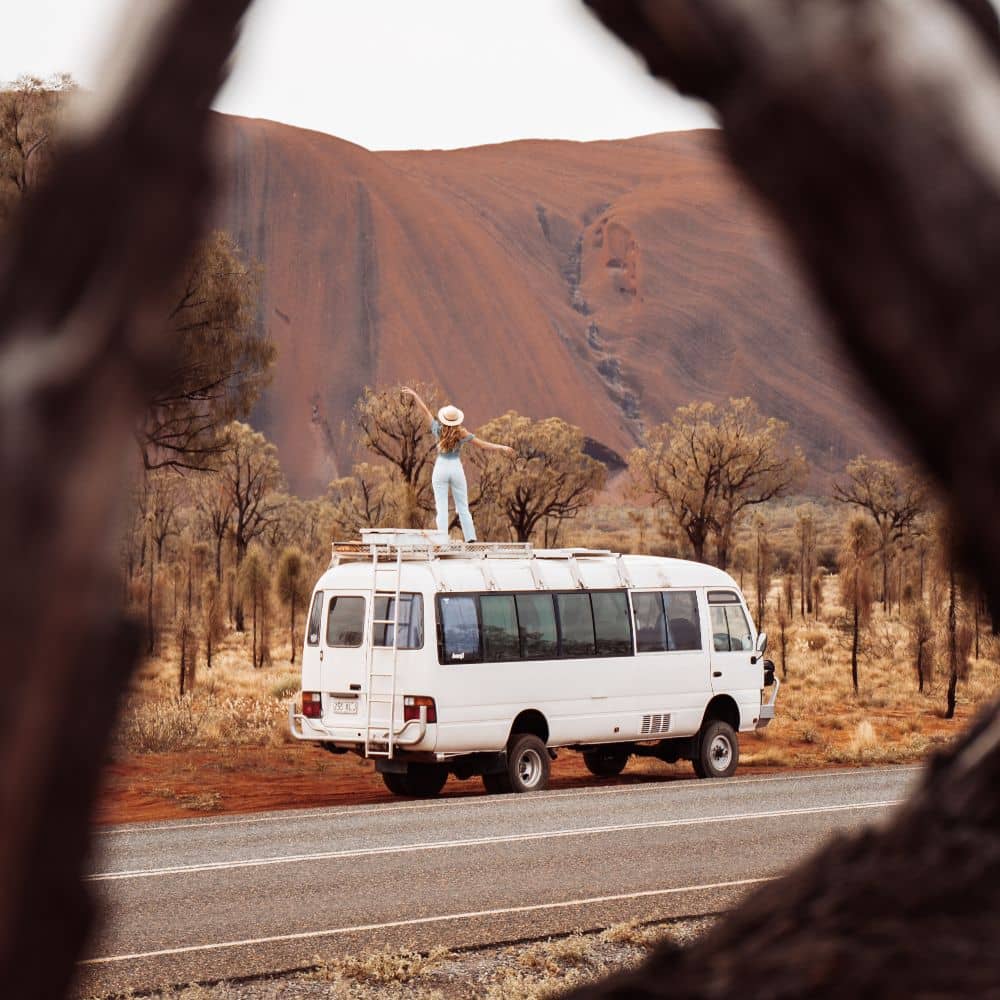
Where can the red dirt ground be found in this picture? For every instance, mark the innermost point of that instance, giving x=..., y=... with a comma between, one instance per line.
x=252, y=779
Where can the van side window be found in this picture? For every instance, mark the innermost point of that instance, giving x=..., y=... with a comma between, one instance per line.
x=612, y=627
x=345, y=622
x=730, y=628
x=460, y=630
x=650, y=625
x=576, y=625
x=315, y=619
x=536, y=619
x=501, y=642
x=683, y=622
x=411, y=620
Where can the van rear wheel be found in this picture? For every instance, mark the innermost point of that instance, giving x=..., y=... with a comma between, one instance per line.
x=396, y=783
x=718, y=751
x=425, y=781
x=528, y=764
x=606, y=763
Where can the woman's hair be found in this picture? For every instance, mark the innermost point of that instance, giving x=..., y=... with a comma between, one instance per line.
x=450, y=438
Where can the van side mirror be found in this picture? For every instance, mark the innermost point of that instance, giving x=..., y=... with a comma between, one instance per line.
x=761, y=646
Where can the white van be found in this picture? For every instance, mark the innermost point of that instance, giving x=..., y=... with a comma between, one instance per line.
x=438, y=658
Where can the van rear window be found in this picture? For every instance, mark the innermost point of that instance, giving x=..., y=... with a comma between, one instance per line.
x=345, y=622
x=315, y=619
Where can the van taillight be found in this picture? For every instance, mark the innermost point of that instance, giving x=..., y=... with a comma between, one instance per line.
x=312, y=704
x=412, y=703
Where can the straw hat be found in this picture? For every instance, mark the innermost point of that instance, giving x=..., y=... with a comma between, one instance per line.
x=450, y=416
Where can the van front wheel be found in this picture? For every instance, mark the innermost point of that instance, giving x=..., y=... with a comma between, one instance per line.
x=718, y=751
x=527, y=764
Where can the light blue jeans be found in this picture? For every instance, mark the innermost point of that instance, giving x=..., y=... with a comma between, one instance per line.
x=449, y=472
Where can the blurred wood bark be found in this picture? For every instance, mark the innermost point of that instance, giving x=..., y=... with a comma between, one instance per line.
x=84, y=272
x=870, y=130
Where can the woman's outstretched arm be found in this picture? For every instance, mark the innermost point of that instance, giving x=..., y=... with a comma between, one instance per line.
x=407, y=391
x=490, y=446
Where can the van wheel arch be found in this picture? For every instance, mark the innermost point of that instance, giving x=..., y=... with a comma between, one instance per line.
x=529, y=721
x=722, y=708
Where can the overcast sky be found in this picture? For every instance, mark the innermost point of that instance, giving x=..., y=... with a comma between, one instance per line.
x=395, y=74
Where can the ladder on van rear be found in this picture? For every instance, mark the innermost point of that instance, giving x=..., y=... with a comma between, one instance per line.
x=380, y=679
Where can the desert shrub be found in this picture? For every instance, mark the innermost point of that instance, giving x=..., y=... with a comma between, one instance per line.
x=379, y=967
x=814, y=639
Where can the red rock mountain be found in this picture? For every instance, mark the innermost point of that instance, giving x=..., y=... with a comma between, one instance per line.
x=606, y=283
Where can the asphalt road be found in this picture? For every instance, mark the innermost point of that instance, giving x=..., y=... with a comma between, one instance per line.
x=243, y=895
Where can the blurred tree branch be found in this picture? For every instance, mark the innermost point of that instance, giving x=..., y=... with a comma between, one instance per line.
x=868, y=127
x=86, y=269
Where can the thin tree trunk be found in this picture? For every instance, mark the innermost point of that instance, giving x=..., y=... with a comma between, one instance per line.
x=292, y=657
x=854, y=648
x=952, y=643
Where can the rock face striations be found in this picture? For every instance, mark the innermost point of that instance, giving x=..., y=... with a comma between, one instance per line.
x=606, y=283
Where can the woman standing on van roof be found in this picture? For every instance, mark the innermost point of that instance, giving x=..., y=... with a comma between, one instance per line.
x=448, y=472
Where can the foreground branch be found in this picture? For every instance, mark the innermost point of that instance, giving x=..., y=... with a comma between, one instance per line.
x=86, y=270
x=869, y=129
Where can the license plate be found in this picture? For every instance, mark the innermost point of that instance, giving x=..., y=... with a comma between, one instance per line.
x=345, y=706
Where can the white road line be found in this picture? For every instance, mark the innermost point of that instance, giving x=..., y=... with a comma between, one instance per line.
x=439, y=845
x=359, y=928
x=455, y=802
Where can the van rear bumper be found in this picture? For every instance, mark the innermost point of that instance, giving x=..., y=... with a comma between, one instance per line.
x=315, y=730
x=767, y=708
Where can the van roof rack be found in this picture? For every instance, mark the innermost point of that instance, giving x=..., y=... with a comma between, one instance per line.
x=410, y=544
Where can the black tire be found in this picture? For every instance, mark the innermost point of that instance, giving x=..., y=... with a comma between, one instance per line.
x=497, y=783
x=396, y=783
x=608, y=762
x=425, y=781
x=528, y=763
x=718, y=750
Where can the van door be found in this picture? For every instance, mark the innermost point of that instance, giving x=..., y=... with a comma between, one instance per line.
x=733, y=648
x=343, y=650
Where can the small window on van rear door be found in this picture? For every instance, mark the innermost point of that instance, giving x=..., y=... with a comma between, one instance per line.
x=611, y=624
x=315, y=619
x=345, y=623
x=500, y=639
x=459, y=630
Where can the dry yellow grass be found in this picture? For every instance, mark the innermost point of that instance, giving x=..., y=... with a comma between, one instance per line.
x=231, y=704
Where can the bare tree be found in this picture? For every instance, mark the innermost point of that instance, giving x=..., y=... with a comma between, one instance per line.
x=805, y=537
x=763, y=567
x=29, y=114
x=397, y=431
x=253, y=584
x=373, y=496
x=252, y=478
x=922, y=635
x=893, y=496
x=224, y=360
x=549, y=480
x=857, y=549
x=293, y=587
x=212, y=625
x=709, y=464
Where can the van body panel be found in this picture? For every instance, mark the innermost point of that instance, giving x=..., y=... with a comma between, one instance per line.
x=645, y=696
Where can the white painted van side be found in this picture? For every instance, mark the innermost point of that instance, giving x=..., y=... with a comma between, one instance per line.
x=584, y=701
